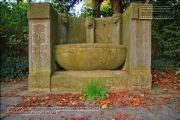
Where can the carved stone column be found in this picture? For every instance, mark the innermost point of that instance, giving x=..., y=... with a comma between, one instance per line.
x=90, y=29
x=117, y=19
x=63, y=21
x=41, y=17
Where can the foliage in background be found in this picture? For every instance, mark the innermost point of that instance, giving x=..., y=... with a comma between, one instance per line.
x=13, y=29
x=14, y=40
x=93, y=90
x=86, y=9
x=61, y=8
x=166, y=40
x=11, y=67
x=105, y=9
x=166, y=36
x=164, y=63
x=65, y=5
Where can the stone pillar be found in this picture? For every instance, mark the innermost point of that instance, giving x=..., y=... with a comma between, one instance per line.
x=42, y=37
x=137, y=38
x=90, y=29
x=117, y=19
x=96, y=8
x=63, y=21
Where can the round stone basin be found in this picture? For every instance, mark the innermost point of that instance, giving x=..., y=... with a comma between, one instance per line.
x=90, y=56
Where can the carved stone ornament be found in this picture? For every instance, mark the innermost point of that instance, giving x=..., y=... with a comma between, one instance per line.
x=39, y=47
x=64, y=19
x=89, y=22
x=116, y=18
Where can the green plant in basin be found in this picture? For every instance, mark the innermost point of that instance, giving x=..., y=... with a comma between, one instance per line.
x=93, y=90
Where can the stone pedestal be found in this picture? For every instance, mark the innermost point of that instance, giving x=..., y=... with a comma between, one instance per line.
x=42, y=38
x=47, y=30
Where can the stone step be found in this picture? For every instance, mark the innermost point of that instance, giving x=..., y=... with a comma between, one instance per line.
x=111, y=80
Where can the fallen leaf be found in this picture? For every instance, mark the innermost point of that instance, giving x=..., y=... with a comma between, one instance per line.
x=82, y=98
x=73, y=103
x=47, y=98
x=105, y=106
x=101, y=112
x=93, y=102
x=131, y=97
x=165, y=89
x=43, y=103
x=59, y=104
x=62, y=117
x=142, y=99
x=107, y=95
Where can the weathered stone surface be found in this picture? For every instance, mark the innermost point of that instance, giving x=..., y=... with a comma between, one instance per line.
x=41, y=41
x=110, y=80
x=117, y=36
x=107, y=30
x=90, y=56
x=76, y=31
x=62, y=28
x=39, y=46
x=90, y=24
x=39, y=10
x=39, y=82
x=136, y=35
x=134, y=10
x=39, y=55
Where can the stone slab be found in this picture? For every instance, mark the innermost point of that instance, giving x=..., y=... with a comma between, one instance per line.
x=115, y=80
x=39, y=10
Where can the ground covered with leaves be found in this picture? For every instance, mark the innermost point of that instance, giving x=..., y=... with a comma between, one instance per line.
x=170, y=93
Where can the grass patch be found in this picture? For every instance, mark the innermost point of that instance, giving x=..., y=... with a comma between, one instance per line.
x=93, y=90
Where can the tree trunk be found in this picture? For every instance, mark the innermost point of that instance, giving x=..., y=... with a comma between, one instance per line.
x=117, y=6
x=96, y=8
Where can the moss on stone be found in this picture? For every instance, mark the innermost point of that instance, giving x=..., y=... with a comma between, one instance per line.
x=76, y=32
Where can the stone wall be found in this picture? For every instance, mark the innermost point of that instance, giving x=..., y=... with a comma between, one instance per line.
x=76, y=30
x=90, y=30
x=71, y=30
x=108, y=30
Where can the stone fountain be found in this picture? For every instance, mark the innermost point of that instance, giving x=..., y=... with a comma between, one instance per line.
x=65, y=52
